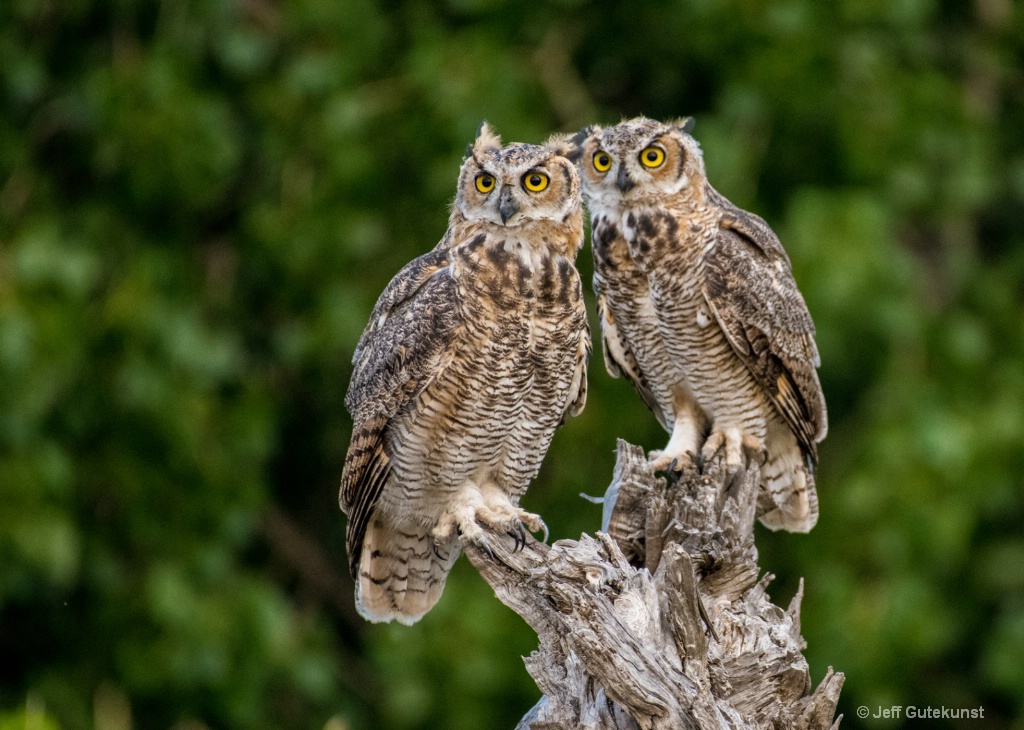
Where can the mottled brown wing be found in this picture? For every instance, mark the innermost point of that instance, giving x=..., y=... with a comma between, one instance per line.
x=750, y=288
x=407, y=342
x=619, y=359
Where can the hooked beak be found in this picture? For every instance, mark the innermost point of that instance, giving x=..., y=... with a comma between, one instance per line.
x=506, y=205
x=623, y=181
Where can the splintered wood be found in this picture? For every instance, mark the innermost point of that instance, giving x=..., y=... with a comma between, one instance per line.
x=660, y=621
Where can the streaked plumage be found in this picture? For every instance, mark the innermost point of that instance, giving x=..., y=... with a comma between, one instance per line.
x=700, y=311
x=474, y=354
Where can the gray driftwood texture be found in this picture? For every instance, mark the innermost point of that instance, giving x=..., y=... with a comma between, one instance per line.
x=661, y=621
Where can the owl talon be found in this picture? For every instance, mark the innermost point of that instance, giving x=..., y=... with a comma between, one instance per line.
x=682, y=462
x=524, y=527
x=543, y=528
x=518, y=536
x=672, y=463
x=437, y=552
x=529, y=522
x=484, y=545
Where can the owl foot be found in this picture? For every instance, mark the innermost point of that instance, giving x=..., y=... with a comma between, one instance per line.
x=741, y=449
x=513, y=521
x=466, y=531
x=479, y=523
x=670, y=461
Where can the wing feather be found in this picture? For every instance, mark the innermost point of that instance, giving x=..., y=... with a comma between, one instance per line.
x=749, y=286
x=367, y=468
x=406, y=343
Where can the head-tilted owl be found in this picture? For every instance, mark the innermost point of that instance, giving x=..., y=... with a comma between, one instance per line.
x=474, y=354
x=700, y=311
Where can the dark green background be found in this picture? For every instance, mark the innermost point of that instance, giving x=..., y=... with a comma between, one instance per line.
x=200, y=202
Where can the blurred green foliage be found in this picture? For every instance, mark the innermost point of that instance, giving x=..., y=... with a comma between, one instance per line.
x=200, y=201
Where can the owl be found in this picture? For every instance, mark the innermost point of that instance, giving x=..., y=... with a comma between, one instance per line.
x=700, y=311
x=474, y=354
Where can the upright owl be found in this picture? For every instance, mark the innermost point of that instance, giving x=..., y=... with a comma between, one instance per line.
x=474, y=354
x=699, y=309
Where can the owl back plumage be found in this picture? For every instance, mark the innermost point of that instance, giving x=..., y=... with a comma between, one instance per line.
x=473, y=355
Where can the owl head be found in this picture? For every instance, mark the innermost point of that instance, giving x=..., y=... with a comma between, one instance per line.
x=517, y=185
x=639, y=162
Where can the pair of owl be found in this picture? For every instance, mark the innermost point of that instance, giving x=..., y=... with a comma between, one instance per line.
x=477, y=351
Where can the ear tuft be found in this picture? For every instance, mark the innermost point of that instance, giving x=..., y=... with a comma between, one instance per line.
x=582, y=135
x=486, y=139
x=586, y=133
x=563, y=144
x=570, y=146
x=686, y=124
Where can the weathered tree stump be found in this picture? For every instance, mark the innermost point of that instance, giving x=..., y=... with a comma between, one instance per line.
x=660, y=621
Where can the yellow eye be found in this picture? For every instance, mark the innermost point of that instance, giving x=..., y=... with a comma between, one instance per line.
x=535, y=181
x=485, y=183
x=602, y=162
x=652, y=157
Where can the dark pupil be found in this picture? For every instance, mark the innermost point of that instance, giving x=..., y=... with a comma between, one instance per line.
x=603, y=160
x=535, y=180
x=486, y=182
x=652, y=156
